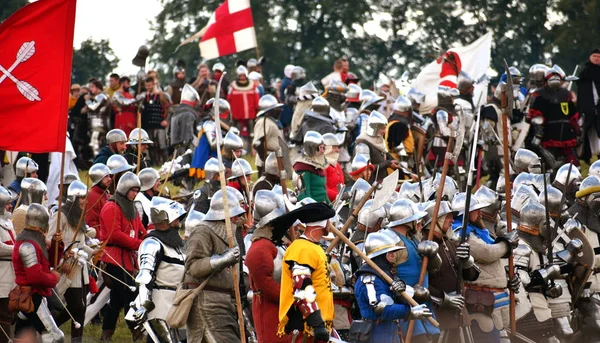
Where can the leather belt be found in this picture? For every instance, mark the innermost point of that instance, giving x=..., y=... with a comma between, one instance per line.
x=212, y=289
x=165, y=287
x=485, y=289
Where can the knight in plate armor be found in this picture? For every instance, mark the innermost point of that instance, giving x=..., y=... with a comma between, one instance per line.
x=267, y=129
x=161, y=262
x=31, y=261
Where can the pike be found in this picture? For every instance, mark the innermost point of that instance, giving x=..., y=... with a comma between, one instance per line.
x=372, y=264
x=436, y=209
x=234, y=271
x=386, y=189
x=507, y=103
x=550, y=257
x=284, y=167
x=465, y=222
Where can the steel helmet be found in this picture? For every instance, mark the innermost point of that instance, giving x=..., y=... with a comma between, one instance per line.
x=115, y=136
x=139, y=136
x=402, y=104
x=77, y=189
x=25, y=164
x=268, y=205
x=117, y=164
x=239, y=168
x=128, y=181
x=162, y=209
x=404, y=211
x=379, y=243
x=148, y=178
x=97, y=172
x=267, y=103
x=376, y=122
x=217, y=208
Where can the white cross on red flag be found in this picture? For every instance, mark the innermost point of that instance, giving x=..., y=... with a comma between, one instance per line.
x=229, y=30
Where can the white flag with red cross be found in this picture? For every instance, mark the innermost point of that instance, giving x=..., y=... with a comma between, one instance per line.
x=229, y=30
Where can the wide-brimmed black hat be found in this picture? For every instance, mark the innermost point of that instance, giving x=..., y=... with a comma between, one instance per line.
x=308, y=213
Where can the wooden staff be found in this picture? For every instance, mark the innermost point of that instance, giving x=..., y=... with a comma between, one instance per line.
x=511, y=269
x=162, y=187
x=372, y=264
x=436, y=209
x=352, y=217
x=234, y=271
x=58, y=215
x=139, y=143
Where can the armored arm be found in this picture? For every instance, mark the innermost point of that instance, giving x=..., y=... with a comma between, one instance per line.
x=150, y=254
x=36, y=276
x=486, y=253
x=522, y=254
x=537, y=124
x=381, y=301
x=430, y=250
x=94, y=104
x=120, y=100
x=443, y=118
x=305, y=299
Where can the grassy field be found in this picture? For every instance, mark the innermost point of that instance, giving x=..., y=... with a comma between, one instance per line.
x=92, y=333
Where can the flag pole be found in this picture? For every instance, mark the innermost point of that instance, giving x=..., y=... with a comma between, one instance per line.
x=59, y=212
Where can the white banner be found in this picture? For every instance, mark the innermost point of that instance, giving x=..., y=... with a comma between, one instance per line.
x=475, y=59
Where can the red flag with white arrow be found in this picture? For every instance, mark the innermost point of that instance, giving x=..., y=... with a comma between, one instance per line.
x=229, y=30
x=36, y=48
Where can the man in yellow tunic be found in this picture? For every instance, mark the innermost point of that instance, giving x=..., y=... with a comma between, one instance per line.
x=306, y=299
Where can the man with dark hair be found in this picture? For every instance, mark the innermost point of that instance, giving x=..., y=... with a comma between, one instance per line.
x=124, y=105
x=154, y=112
x=113, y=84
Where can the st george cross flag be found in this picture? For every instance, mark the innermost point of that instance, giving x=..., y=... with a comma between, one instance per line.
x=36, y=48
x=229, y=30
x=474, y=59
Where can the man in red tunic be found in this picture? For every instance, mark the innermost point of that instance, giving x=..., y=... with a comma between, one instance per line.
x=334, y=175
x=264, y=260
x=31, y=262
x=122, y=228
x=243, y=98
x=125, y=108
x=98, y=196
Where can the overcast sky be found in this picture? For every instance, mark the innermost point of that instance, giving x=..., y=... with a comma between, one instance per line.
x=125, y=23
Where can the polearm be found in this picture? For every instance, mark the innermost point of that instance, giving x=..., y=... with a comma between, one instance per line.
x=436, y=209
x=58, y=214
x=574, y=74
x=379, y=271
x=352, y=216
x=465, y=223
x=234, y=271
x=506, y=100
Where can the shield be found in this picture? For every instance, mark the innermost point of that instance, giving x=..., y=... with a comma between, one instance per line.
x=584, y=262
x=385, y=190
x=285, y=153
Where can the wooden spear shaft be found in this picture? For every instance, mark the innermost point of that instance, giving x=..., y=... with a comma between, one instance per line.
x=511, y=271
x=352, y=217
x=59, y=212
x=436, y=209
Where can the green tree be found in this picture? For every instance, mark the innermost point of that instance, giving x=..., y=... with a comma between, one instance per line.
x=577, y=35
x=93, y=59
x=9, y=7
x=310, y=33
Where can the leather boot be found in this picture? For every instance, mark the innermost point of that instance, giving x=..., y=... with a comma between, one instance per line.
x=107, y=335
